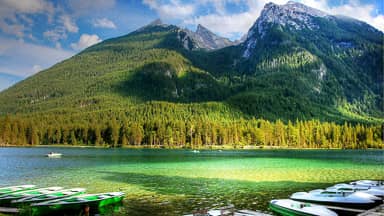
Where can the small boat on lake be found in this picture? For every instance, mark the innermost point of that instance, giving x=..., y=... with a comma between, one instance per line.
x=369, y=183
x=49, y=196
x=347, y=188
x=289, y=207
x=13, y=189
x=54, y=155
x=7, y=198
x=354, y=200
x=93, y=201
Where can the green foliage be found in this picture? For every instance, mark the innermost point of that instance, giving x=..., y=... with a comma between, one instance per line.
x=176, y=131
x=146, y=89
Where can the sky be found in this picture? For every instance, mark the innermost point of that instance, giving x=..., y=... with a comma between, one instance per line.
x=36, y=34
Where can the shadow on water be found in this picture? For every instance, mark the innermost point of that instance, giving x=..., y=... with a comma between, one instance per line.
x=176, y=195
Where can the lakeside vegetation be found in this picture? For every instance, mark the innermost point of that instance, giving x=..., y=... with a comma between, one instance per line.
x=307, y=89
x=164, y=131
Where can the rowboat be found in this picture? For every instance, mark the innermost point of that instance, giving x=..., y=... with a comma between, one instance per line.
x=289, y=207
x=347, y=188
x=369, y=183
x=355, y=200
x=7, y=198
x=344, y=194
x=50, y=196
x=54, y=155
x=13, y=189
x=78, y=203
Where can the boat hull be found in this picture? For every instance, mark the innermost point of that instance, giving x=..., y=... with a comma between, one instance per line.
x=94, y=206
x=287, y=212
x=27, y=202
x=340, y=204
x=14, y=189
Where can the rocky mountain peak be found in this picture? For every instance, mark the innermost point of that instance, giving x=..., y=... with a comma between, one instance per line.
x=203, y=38
x=201, y=28
x=292, y=15
x=156, y=22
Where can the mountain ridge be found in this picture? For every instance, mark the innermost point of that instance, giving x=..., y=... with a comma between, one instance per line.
x=160, y=87
x=176, y=62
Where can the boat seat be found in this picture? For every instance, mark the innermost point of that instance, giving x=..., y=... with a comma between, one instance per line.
x=103, y=196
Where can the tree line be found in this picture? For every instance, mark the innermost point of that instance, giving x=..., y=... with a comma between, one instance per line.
x=120, y=131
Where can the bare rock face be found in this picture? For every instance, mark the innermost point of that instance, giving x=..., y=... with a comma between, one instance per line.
x=203, y=38
x=292, y=15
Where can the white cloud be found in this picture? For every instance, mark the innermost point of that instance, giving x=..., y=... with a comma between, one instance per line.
x=104, y=23
x=24, y=59
x=65, y=25
x=85, y=41
x=353, y=8
x=27, y=6
x=13, y=15
x=12, y=29
x=377, y=22
x=231, y=25
x=225, y=25
x=36, y=68
x=69, y=24
x=56, y=34
x=173, y=10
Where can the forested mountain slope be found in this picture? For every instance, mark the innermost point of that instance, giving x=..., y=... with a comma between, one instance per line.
x=297, y=66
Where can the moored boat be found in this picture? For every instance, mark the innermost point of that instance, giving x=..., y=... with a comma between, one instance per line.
x=49, y=196
x=54, y=155
x=75, y=203
x=355, y=200
x=289, y=207
x=344, y=194
x=347, y=188
x=369, y=183
x=7, y=198
x=13, y=189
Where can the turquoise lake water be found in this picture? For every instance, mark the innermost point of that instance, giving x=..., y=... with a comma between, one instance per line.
x=176, y=182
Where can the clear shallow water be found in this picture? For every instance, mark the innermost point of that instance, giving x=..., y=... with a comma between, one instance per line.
x=175, y=182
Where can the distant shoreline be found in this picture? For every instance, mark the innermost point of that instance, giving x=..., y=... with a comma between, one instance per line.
x=186, y=148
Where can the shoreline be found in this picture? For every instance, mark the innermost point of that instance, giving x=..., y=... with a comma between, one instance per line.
x=177, y=148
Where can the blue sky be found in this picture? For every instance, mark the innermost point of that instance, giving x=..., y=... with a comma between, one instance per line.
x=36, y=34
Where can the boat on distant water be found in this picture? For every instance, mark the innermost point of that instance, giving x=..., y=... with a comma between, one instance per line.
x=354, y=200
x=13, y=189
x=196, y=151
x=347, y=188
x=289, y=207
x=7, y=198
x=75, y=203
x=49, y=196
x=54, y=155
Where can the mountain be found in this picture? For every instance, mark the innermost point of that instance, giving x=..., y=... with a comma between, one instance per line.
x=201, y=39
x=296, y=62
x=209, y=40
x=330, y=60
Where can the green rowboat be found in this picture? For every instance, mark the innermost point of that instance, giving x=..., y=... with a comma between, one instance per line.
x=289, y=207
x=13, y=189
x=49, y=196
x=7, y=198
x=94, y=202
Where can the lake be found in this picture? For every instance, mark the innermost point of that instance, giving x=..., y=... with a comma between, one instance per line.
x=176, y=182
